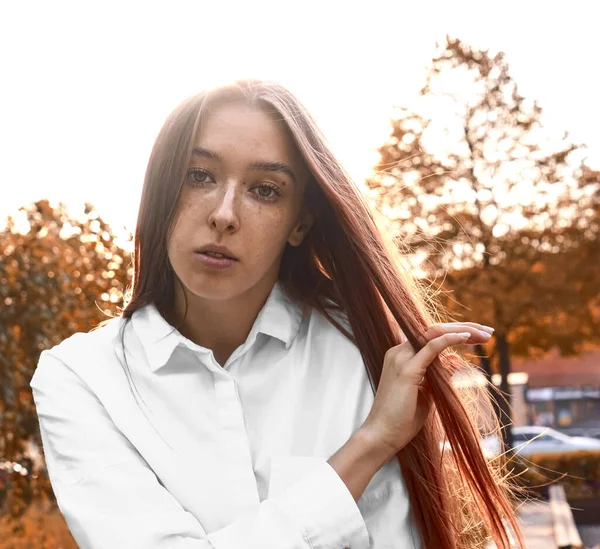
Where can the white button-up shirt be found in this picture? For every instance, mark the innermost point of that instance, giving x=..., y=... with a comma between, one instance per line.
x=199, y=456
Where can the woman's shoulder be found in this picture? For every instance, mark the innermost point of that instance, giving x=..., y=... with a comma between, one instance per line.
x=77, y=351
x=323, y=333
x=101, y=338
x=321, y=322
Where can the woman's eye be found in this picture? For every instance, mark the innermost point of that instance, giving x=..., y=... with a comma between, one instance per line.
x=268, y=192
x=199, y=176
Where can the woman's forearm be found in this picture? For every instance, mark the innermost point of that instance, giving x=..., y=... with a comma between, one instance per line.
x=358, y=460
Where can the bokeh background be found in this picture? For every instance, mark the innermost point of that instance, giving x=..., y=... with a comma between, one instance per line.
x=472, y=126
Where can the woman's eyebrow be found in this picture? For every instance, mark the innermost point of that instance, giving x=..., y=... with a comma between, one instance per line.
x=256, y=166
x=273, y=167
x=201, y=151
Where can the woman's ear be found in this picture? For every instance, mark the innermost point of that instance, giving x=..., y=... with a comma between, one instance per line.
x=301, y=229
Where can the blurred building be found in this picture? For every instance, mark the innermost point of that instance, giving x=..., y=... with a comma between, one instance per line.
x=517, y=382
x=554, y=391
x=563, y=392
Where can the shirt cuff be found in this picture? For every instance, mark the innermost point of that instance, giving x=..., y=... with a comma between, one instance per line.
x=326, y=509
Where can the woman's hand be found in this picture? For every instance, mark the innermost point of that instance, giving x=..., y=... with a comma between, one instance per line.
x=401, y=403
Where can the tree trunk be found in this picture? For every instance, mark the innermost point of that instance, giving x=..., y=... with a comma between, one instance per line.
x=486, y=366
x=504, y=398
x=484, y=360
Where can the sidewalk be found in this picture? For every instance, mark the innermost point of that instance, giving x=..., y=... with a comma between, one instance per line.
x=590, y=535
x=536, y=524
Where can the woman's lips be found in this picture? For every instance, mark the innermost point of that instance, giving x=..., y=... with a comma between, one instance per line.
x=214, y=262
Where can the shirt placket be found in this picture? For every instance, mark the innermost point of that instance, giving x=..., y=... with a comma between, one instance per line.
x=235, y=444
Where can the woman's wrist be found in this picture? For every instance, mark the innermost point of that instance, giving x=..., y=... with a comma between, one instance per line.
x=358, y=460
x=379, y=451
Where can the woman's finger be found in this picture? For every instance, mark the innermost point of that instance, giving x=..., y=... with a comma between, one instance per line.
x=434, y=347
x=483, y=327
x=477, y=336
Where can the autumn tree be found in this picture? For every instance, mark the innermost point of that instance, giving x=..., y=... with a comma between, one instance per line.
x=496, y=206
x=58, y=275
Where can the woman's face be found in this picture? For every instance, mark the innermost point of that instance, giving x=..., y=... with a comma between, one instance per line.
x=244, y=190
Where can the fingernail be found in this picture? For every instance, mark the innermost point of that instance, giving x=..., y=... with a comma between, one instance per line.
x=465, y=334
x=491, y=330
x=485, y=334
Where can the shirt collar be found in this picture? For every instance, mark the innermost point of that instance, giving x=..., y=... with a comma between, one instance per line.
x=279, y=318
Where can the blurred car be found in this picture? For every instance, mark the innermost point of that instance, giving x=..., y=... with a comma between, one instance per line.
x=534, y=439
x=488, y=452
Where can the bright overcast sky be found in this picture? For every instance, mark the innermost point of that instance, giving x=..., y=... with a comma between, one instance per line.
x=87, y=85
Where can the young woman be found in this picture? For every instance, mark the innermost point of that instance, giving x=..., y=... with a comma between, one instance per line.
x=275, y=379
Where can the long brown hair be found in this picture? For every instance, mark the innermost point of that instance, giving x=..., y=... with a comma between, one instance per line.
x=348, y=265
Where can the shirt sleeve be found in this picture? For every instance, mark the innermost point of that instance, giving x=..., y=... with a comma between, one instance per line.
x=112, y=499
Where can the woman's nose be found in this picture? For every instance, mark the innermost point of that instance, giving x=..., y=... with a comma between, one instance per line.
x=224, y=215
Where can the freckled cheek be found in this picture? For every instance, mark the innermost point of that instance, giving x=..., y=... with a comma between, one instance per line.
x=177, y=245
x=270, y=231
x=187, y=226
x=174, y=244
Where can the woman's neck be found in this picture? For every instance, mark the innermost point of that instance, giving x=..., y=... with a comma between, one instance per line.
x=221, y=325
